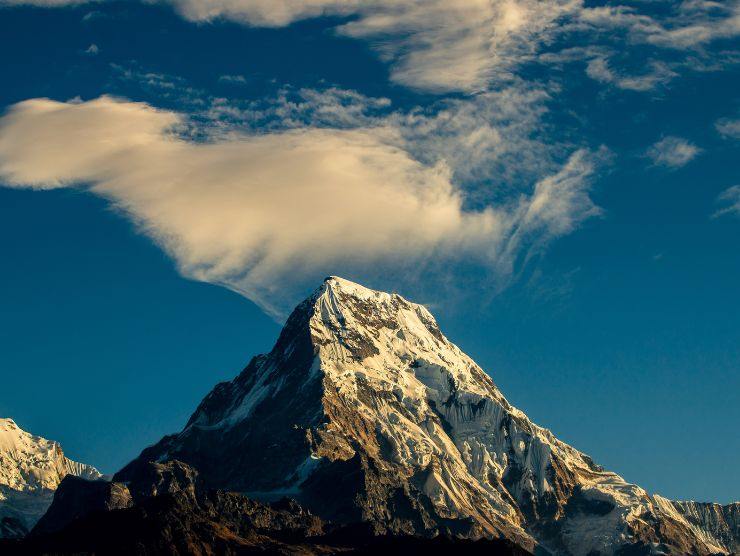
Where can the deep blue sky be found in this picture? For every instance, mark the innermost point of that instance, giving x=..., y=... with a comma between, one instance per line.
x=622, y=337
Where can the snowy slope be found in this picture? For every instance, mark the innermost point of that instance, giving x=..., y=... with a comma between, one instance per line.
x=31, y=467
x=363, y=410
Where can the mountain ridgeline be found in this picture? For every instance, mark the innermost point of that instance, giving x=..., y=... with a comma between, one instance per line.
x=365, y=416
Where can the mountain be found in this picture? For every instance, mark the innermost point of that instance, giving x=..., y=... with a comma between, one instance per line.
x=165, y=509
x=31, y=468
x=364, y=412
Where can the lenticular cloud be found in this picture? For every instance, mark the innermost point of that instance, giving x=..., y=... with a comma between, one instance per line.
x=262, y=213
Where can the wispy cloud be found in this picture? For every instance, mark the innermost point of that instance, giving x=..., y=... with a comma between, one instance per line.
x=497, y=138
x=44, y=3
x=264, y=214
x=448, y=45
x=728, y=128
x=730, y=198
x=236, y=79
x=463, y=45
x=672, y=152
x=658, y=74
x=434, y=45
x=684, y=25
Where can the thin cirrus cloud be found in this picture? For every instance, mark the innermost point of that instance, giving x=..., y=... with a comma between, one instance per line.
x=465, y=45
x=599, y=69
x=730, y=199
x=433, y=45
x=265, y=214
x=686, y=25
x=728, y=128
x=672, y=152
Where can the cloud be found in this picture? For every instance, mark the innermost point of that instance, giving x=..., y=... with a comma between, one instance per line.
x=730, y=197
x=672, y=152
x=493, y=138
x=433, y=45
x=236, y=79
x=266, y=214
x=443, y=46
x=689, y=24
x=727, y=128
x=465, y=45
x=458, y=45
x=659, y=74
x=44, y=3
x=496, y=138
x=92, y=50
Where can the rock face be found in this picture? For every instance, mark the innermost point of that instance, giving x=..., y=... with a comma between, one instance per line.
x=76, y=498
x=720, y=522
x=31, y=468
x=166, y=510
x=364, y=412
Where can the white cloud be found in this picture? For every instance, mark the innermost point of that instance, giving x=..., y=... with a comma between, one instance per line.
x=686, y=25
x=447, y=45
x=236, y=79
x=43, y=3
x=672, y=152
x=728, y=128
x=264, y=13
x=659, y=74
x=92, y=50
x=465, y=45
x=730, y=198
x=493, y=138
x=434, y=45
x=263, y=214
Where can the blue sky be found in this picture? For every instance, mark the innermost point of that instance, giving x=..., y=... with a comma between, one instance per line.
x=557, y=181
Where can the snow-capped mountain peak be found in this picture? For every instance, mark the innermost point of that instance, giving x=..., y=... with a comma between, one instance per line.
x=365, y=411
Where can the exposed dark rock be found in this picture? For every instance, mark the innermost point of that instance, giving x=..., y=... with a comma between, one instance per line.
x=12, y=528
x=75, y=498
x=172, y=514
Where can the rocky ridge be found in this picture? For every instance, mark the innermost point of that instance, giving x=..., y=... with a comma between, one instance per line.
x=165, y=509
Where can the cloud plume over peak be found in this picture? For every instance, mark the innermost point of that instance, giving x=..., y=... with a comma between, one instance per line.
x=264, y=213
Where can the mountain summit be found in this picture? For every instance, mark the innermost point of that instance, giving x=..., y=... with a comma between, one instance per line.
x=31, y=468
x=364, y=412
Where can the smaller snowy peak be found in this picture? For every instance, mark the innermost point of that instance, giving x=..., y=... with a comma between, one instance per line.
x=31, y=462
x=31, y=468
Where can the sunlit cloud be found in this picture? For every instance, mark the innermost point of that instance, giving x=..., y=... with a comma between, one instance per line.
x=658, y=74
x=672, y=152
x=264, y=214
x=443, y=46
